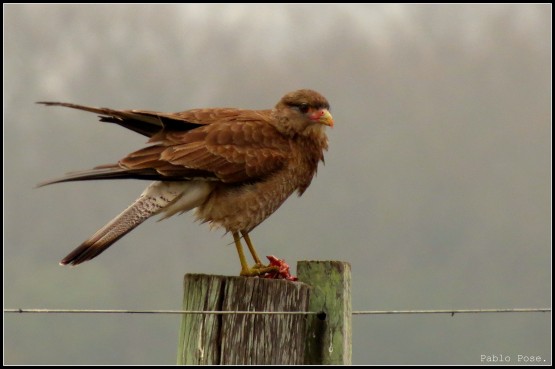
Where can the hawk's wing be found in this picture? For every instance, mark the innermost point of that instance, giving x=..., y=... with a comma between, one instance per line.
x=228, y=145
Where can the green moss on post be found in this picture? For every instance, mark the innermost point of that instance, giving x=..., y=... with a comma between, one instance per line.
x=329, y=339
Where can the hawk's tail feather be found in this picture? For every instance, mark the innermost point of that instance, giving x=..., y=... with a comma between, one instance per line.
x=150, y=203
x=168, y=197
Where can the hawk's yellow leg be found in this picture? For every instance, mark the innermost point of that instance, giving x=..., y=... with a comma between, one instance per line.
x=258, y=268
x=251, y=248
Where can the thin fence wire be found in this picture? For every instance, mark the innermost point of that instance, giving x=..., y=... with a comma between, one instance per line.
x=362, y=312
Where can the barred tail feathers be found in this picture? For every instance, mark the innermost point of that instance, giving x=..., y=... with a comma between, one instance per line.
x=170, y=197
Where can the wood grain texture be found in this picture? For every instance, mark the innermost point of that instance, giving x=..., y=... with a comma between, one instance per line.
x=329, y=334
x=240, y=338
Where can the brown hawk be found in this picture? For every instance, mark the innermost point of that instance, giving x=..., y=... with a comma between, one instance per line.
x=235, y=166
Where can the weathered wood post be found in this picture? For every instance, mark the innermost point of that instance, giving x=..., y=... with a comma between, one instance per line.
x=242, y=338
x=323, y=338
x=329, y=333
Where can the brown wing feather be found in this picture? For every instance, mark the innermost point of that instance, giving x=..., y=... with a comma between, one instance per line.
x=227, y=144
x=149, y=123
x=230, y=152
x=145, y=122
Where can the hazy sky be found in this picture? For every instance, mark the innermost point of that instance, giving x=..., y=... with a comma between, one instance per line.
x=436, y=188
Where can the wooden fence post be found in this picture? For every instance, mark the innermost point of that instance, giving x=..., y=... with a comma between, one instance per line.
x=242, y=338
x=324, y=338
x=328, y=335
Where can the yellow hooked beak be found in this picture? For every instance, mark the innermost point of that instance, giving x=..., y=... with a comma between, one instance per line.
x=322, y=116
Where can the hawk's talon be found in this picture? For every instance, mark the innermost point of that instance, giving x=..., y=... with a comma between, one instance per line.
x=259, y=270
x=277, y=269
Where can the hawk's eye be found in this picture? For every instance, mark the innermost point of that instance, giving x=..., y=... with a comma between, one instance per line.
x=303, y=108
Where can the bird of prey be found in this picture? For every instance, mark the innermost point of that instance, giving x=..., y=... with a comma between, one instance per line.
x=235, y=166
